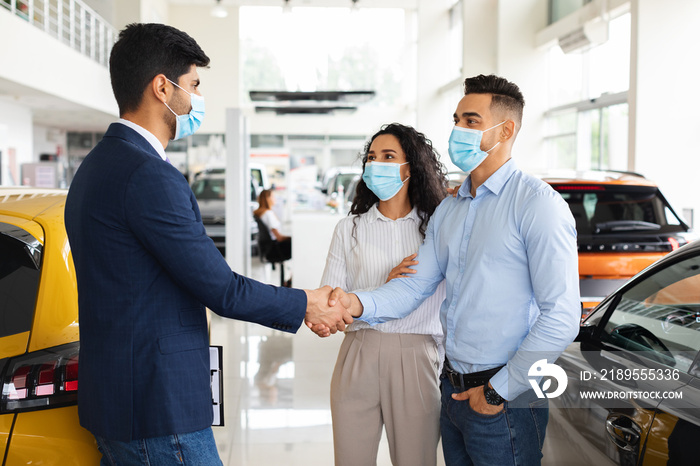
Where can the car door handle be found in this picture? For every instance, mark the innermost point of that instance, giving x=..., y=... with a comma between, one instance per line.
x=623, y=431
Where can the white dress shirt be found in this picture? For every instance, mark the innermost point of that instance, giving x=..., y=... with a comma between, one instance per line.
x=510, y=259
x=363, y=262
x=271, y=222
x=147, y=135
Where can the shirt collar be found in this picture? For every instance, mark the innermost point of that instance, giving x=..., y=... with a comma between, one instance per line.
x=147, y=135
x=373, y=214
x=494, y=183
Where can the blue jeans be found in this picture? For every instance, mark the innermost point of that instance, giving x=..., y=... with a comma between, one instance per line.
x=513, y=437
x=192, y=449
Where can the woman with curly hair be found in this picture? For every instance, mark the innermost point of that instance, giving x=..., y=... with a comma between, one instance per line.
x=387, y=374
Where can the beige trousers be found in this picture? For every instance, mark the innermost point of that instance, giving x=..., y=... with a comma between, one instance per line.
x=388, y=379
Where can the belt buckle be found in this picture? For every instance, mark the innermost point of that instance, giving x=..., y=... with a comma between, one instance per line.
x=456, y=380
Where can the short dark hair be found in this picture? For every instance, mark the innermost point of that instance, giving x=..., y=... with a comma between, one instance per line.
x=506, y=95
x=144, y=51
x=428, y=186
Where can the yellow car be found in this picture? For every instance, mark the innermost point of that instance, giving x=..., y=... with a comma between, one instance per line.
x=39, y=334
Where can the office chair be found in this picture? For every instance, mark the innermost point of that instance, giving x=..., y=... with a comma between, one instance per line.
x=270, y=250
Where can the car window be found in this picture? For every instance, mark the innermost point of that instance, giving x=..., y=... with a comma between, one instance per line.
x=660, y=316
x=19, y=283
x=256, y=174
x=207, y=188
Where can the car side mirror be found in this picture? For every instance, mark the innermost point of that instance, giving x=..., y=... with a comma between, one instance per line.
x=585, y=333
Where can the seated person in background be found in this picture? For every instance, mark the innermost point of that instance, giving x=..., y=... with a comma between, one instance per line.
x=266, y=199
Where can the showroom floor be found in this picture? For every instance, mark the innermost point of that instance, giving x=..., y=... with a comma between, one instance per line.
x=276, y=394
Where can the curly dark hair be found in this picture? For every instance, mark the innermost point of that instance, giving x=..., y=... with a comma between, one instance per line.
x=428, y=186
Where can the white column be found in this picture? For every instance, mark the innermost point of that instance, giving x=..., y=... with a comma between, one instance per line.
x=480, y=37
x=16, y=141
x=237, y=193
x=663, y=98
x=519, y=61
x=433, y=107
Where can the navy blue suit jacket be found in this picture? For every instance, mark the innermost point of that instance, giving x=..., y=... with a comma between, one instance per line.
x=146, y=270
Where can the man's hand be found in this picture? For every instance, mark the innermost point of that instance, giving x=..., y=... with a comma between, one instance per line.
x=403, y=268
x=475, y=398
x=350, y=302
x=321, y=314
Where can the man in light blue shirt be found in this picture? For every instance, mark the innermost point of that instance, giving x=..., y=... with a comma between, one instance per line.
x=506, y=245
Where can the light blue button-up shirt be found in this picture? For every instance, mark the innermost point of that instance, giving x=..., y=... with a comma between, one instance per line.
x=510, y=262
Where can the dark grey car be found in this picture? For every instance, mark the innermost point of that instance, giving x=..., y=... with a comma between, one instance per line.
x=633, y=393
x=209, y=189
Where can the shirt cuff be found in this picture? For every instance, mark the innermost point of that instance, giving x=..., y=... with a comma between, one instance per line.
x=499, y=382
x=369, y=308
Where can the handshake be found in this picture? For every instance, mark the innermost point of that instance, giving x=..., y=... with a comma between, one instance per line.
x=329, y=310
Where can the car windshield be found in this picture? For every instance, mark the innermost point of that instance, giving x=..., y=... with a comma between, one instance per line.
x=614, y=209
x=344, y=179
x=661, y=315
x=208, y=189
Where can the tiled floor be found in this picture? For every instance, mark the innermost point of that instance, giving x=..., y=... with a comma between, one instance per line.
x=276, y=394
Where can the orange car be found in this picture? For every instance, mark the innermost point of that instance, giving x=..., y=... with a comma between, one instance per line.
x=624, y=224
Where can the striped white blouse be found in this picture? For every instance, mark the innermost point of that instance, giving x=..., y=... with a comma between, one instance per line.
x=363, y=263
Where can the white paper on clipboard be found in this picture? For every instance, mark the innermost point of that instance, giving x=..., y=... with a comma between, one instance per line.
x=217, y=384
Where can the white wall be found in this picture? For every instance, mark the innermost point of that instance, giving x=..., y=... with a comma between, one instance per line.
x=34, y=59
x=434, y=104
x=519, y=61
x=155, y=11
x=48, y=141
x=499, y=38
x=665, y=99
x=218, y=37
x=15, y=136
x=125, y=12
x=122, y=12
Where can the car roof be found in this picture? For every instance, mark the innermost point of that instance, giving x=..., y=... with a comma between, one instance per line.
x=29, y=202
x=609, y=177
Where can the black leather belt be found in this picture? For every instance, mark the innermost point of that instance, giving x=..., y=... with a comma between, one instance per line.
x=463, y=382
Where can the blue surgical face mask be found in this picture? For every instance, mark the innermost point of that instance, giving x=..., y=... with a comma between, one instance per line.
x=189, y=123
x=384, y=179
x=465, y=147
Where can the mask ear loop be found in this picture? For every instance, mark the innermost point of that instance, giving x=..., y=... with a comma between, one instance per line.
x=482, y=131
x=175, y=84
x=183, y=89
x=488, y=151
x=170, y=109
x=401, y=165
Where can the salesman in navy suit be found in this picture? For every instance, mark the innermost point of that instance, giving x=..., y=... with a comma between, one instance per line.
x=146, y=268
